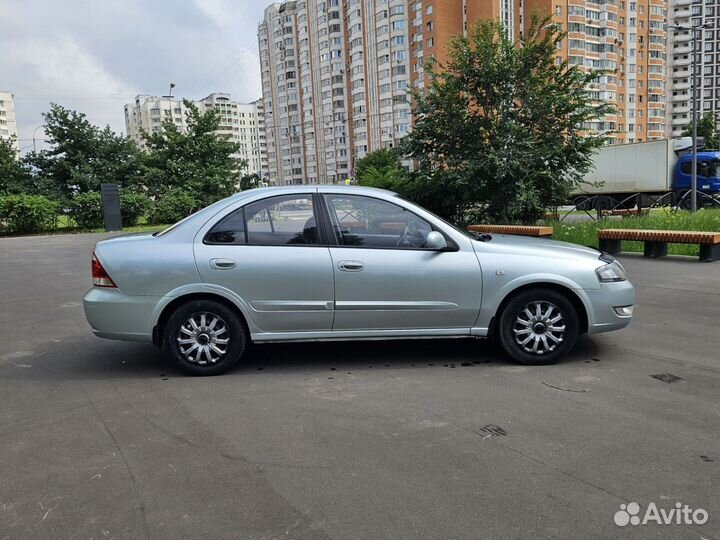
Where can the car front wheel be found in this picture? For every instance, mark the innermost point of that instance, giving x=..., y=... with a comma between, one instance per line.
x=538, y=326
x=204, y=337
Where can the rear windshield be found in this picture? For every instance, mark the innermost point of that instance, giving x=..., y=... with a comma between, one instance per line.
x=207, y=209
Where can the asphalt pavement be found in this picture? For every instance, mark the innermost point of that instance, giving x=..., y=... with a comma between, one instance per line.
x=440, y=439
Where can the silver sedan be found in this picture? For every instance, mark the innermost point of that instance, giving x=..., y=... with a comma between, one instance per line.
x=312, y=263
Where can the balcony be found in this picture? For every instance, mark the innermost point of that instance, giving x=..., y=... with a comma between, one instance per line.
x=682, y=14
x=679, y=122
x=680, y=98
x=684, y=37
x=681, y=86
x=682, y=49
x=681, y=109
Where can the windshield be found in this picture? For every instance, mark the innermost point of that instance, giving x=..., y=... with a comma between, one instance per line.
x=713, y=169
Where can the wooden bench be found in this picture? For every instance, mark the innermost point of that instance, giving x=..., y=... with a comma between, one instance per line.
x=656, y=241
x=624, y=212
x=522, y=230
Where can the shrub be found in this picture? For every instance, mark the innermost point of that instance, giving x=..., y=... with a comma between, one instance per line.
x=172, y=207
x=25, y=214
x=133, y=206
x=86, y=210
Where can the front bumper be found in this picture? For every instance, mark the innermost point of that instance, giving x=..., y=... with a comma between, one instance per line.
x=114, y=315
x=602, y=316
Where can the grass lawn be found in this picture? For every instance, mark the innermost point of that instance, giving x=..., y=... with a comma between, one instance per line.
x=585, y=233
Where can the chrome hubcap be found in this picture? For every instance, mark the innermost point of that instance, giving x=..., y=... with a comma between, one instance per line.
x=203, y=339
x=539, y=328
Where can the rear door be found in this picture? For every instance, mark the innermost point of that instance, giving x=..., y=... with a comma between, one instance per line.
x=384, y=277
x=271, y=254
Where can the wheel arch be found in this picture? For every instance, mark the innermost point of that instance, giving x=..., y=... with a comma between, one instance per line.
x=170, y=307
x=566, y=291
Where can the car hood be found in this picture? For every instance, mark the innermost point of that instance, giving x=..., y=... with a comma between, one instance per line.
x=540, y=247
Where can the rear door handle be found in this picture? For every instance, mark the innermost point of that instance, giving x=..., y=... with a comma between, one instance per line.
x=222, y=264
x=350, y=266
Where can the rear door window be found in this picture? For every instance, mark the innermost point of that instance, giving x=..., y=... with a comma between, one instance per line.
x=275, y=221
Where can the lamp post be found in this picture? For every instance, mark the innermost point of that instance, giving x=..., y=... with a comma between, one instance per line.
x=33, y=138
x=693, y=84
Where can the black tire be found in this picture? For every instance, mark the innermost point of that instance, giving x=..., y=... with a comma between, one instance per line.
x=604, y=202
x=582, y=202
x=509, y=323
x=178, y=326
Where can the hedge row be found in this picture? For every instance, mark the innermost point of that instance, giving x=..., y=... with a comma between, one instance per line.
x=28, y=214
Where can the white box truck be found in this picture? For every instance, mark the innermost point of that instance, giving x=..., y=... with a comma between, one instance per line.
x=655, y=172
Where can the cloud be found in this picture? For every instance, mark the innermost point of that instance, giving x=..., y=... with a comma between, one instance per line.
x=96, y=55
x=59, y=70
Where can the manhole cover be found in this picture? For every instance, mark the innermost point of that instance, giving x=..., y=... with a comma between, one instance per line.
x=666, y=377
x=493, y=431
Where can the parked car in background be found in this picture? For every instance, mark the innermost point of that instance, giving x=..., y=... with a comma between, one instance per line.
x=312, y=263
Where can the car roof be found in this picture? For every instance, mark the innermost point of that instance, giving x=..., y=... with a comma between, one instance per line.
x=320, y=188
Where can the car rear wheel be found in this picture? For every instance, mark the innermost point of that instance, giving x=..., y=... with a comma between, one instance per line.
x=538, y=326
x=204, y=337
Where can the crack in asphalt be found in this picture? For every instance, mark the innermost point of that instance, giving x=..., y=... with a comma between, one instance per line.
x=136, y=487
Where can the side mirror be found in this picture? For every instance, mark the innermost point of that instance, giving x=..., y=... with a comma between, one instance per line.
x=435, y=241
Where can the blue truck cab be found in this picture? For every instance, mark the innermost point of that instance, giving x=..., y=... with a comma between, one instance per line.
x=708, y=172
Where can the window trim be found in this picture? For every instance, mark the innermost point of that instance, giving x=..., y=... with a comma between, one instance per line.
x=451, y=244
x=322, y=237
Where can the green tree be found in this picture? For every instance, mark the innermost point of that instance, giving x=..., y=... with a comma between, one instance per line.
x=381, y=169
x=14, y=175
x=249, y=181
x=706, y=128
x=197, y=160
x=81, y=157
x=499, y=128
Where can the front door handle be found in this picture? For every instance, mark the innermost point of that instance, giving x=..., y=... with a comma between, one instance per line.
x=222, y=264
x=350, y=266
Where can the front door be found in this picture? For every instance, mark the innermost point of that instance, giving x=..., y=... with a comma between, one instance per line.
x=269, y=253
x=386, y=280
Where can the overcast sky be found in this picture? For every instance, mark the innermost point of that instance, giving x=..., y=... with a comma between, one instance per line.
x=96, y=55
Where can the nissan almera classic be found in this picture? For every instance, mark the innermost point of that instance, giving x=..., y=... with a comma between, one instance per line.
x=314, y=263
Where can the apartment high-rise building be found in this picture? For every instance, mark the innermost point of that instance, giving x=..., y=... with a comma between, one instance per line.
x=261, y=150
x=147, y=114
x=8, y=123
x=689, y=14
x=625, y=38
x=434, y=22
x=335, y=75
x=242, y=123
x=628, y=38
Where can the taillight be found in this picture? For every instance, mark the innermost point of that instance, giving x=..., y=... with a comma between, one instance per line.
x=100, y=277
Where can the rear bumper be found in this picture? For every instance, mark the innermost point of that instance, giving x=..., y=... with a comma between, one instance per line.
x=114, y=315
x=603, y=302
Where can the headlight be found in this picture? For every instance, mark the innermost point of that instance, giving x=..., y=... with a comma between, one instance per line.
x=611, y=272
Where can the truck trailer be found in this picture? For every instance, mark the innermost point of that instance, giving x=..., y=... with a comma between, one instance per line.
x=654, y=173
